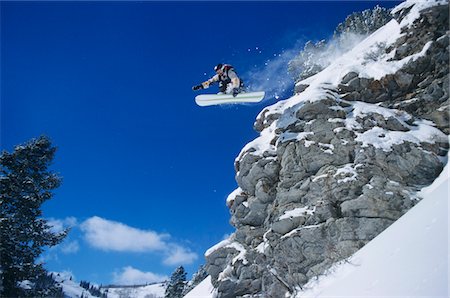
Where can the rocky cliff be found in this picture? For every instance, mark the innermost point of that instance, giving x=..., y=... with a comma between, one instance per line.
x=341, y=160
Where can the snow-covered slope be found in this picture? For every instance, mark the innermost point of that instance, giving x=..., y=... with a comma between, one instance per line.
x=203, y=290
x=409, y=259
x=72, y=289
x=150, y=291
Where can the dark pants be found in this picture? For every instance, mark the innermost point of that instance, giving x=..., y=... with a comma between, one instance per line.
x=224, y=84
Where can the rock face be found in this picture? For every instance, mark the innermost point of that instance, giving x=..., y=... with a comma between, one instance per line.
x=339, y=162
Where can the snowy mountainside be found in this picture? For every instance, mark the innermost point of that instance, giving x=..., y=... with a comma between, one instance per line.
x=73, y=289
x=203, y=290
x=341, y=160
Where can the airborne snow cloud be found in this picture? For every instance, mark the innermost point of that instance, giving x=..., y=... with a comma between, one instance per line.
x=274, y=78
x=108, y=235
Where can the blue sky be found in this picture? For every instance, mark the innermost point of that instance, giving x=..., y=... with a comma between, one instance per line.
x=145, y=171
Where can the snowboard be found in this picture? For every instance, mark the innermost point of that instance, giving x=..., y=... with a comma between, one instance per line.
x=217, y=99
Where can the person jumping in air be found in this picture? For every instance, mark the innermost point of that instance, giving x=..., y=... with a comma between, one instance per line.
x=229, y=82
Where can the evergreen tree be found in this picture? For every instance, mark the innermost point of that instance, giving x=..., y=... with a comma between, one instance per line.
x=25, y=184
x=1, y=276
x=197, y=278
x=45, y=286
x=176, y=284
x=364, y=22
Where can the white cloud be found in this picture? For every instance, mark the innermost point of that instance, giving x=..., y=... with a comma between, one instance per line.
x=115, y=236
x=179, y=256
x=70, y=247
x=110, y=235
x=59, y=225
x=132, y=276
x=52, y=253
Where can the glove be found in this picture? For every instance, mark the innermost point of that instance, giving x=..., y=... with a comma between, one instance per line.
x=198, y=87
x=235, y=92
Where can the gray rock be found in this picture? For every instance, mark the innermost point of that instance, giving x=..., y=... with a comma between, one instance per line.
x=351, y=191
x=286, y=225
x=300, y=88
x=348, y=77
x=256, y=215
x=403, y=79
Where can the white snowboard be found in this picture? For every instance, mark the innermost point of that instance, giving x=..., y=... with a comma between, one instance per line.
x=217, y=99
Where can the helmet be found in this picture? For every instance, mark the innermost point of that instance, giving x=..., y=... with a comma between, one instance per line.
x=218, y=66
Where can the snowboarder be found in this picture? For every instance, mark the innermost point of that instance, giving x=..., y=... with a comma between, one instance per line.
x=229, y=82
